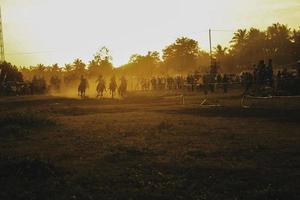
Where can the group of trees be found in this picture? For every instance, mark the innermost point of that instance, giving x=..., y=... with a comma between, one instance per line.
x=100, y=64
x=9, y=73
x=181, y=57
x=277, y=42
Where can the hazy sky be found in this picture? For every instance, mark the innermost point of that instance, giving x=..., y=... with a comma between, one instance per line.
x=57, y=31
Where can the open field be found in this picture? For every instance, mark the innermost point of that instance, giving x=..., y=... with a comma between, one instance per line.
x=149, y=146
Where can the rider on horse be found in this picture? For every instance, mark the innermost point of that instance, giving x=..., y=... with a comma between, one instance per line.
x=112, y=86
x=82, y=87
x=123, y=87
x=100, y=86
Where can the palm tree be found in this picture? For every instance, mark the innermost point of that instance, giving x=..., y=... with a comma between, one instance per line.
x=279, y=43
x=239, y=38
x=41, y=68
x=68, y=68
x=238, y=44
x=220, y=52
x=55, y=69
x=255, y=46
x=79, y=67
x=296, y=44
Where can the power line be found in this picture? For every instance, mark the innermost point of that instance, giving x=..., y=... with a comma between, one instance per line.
x=56, y=51
x=223, y=30
x=33, y=52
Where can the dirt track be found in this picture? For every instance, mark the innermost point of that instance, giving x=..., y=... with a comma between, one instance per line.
x=148, y=146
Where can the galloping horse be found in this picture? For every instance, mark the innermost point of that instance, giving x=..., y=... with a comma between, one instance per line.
x=82, y=87
x=100, y=87
x=113, y=86
x=123, y=87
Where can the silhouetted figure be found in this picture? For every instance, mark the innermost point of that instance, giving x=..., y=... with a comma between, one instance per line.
x=83, y=85
x=247, y=81
x=170, y=83
x=255, y=74
x=261, y=73
x=214, y=68
x=191, y=81
x=39, y=85
x=278, y=81
x=55, y=83
x=100, y=86
x=159, y=83
x=205, y=80
x=177, y=83
x=211, y=83
x=219, y=78
x=123, y=87
x=112, y=86
x=225, y=82
x=269, y=73
x=298, y=68
x=154, y=83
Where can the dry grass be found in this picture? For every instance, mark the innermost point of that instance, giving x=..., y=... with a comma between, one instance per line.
x=151, y=147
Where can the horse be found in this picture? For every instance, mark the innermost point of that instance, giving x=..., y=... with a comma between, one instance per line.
x=123, y=88
x=100, y=88
x=82, y=88
x=112, y=87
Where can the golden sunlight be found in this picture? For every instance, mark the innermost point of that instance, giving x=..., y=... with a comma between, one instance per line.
x=58, y=31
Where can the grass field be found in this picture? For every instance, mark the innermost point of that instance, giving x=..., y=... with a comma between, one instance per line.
x=149, y=146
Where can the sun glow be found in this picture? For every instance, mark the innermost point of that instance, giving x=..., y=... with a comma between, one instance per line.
x=58, y=31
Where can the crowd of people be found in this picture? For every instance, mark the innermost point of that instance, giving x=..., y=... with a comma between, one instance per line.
x=191, y=82
x=261, y=78
x=37, y=86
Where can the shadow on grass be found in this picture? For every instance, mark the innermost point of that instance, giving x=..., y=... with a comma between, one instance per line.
x=237, y=112
x=30, y=178
x=22, y=123
x=140, y=178
x=80, y=111
x=131, y=173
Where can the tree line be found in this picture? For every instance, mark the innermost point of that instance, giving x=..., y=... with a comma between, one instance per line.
x=278, y=42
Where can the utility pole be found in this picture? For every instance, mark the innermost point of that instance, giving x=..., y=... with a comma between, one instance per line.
x=210, y=50
x=2, y=55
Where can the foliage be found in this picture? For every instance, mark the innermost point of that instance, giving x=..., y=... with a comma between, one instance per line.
x=181, y=56
x=101, y=63
x=9, y=72
x=142, y=65
x=278, y=42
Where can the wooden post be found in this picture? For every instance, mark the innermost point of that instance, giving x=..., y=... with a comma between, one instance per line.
x=210, y=48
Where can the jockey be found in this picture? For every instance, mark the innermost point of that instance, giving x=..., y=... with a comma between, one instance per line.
x=84, y=83
x=123, y=86
x=83, y=86
x=100, y=86
x=112, y=85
